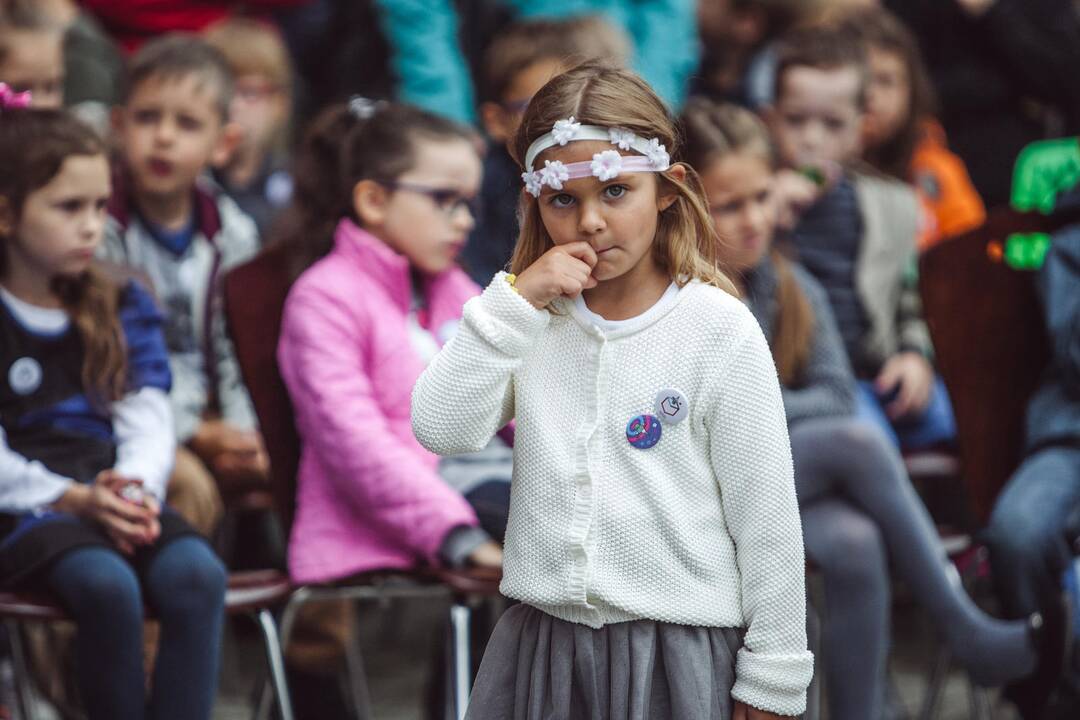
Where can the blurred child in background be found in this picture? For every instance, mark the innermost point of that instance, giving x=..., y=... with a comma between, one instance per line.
x=86, y=437
x=858, y=507
x=902, y=139
x=383, y=207
x=31, y=52
x=855, y=232
x=183, y=235
x=255, y=173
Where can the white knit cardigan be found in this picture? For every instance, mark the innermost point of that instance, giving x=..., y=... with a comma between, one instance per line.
x=701, y=529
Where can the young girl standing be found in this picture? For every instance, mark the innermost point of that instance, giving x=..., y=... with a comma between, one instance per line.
x=653, y=538
x=857, y=505
x=86, y=435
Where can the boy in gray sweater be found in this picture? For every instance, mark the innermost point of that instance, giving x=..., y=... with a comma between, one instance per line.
x=183, y=234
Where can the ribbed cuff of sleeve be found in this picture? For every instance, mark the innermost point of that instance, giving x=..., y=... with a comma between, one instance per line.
x=459, y=544
x=774, y=683
x=504, y=318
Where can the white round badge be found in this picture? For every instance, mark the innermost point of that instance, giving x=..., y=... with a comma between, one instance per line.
x=671, y=406
x=24, y=376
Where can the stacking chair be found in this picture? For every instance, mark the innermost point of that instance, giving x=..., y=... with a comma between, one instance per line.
x=254, y=300
x=991, y=346
x=249, y=593
x=991, y=349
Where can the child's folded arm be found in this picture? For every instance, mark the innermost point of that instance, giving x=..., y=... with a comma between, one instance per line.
x=341, y=423
x=751, y=457
x=466, y=393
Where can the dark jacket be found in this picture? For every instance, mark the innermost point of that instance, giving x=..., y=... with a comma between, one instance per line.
x=1054, y=411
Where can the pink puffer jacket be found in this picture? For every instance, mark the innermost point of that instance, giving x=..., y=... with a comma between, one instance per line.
x=369, y=496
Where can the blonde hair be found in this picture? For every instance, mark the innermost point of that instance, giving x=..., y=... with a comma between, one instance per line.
x=23, y=16
x=595, y=94
x=713, y=132
x=252, y=47
x=569, y=41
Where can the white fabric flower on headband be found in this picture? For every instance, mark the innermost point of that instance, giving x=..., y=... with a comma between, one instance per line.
x=621, y=138
x=533, y=184
x=657, y=154
x=554, y=174
x=565, y=130
x=606, y=165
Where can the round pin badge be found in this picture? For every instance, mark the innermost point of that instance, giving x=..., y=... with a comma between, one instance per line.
x=24, y=375
x=643, y=431
x=671, y=406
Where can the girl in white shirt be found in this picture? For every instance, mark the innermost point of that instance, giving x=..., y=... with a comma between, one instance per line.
x=86, y=436
x=653, y=538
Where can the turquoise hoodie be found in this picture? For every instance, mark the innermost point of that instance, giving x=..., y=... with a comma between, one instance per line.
x=433, y=74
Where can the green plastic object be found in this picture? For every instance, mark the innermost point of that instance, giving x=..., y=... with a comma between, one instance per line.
x=1026, y=251
x=1043, y=170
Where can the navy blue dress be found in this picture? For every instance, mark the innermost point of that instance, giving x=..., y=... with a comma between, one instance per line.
x=48, y=416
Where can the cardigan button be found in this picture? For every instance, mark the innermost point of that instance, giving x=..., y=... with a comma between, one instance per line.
x=672, y=406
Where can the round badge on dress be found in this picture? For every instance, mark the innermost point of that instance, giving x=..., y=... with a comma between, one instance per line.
x=24, y=375
x=671, y=406
x=643, y=431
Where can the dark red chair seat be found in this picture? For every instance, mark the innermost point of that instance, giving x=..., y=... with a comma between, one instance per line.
x=247, y=592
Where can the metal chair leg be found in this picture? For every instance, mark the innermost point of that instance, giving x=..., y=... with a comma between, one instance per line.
x=358, y=687
x=981, y=708
x=935, y=685
x=23, y=694
x=299, y=597
x=354, y=662
x=275, y=663
x=460, y=670
x=288, y=618
x=264, y=704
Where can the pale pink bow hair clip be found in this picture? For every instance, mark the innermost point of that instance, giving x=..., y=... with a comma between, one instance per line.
x=10, y=100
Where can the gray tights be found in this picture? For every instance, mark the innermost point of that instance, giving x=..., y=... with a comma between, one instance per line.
x=859, y=511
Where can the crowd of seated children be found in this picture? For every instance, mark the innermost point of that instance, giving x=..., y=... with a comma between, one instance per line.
x=859, y=510
x=187, y=167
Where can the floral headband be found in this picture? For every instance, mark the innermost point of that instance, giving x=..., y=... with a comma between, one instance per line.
x=604, y=166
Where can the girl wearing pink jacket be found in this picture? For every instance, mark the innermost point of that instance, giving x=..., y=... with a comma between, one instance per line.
x=359, y=326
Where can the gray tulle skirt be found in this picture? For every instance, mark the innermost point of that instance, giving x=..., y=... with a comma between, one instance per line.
x=537, y=667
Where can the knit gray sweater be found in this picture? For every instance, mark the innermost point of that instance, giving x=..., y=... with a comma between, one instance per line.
x=827, y=386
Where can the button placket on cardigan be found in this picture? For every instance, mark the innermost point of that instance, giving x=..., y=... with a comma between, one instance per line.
x=585, y=491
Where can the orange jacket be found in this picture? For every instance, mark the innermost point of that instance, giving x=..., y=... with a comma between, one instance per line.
x=948, y=199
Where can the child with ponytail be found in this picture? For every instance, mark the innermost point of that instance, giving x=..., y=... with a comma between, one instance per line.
x=384, y=202
x=86, y=438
